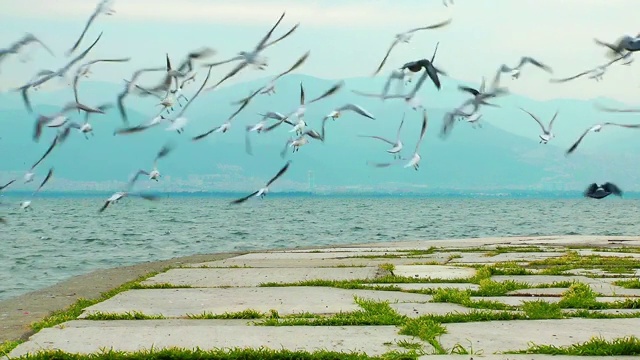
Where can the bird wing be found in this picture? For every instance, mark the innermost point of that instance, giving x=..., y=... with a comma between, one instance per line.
x=358, y=109
x=281, y=37
x=204, y=83
x=105, y=206
x=77, y=58
x=384, y=60
x=203, y=135
x=244, y=102
x=470, y=90
x=243, y=199
x=591, y=189
x=49, y=149
x=131, y=130
x=46, y=180
x=608, y=109
x=434, y=26
x=301, y=94
x=612, y=188
x=264, y=40
x=361, y=93
x=164, y=151
x=570, y=78
x=247, y=141
x=7, y=184
x=552, y=120
x=93, y=16
x=332, y=90
x=482, y=86
x=629, y=126
x=296, y=65
x=423, y=130
x=230, y=74
x=535, y=118
x=400, y=128
x=280, y=173
x=379, y=138
x=135, y=178
x=530, y=60
x=575, y=144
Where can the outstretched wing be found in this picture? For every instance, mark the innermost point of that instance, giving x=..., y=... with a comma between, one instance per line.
x=423, y=130
x=575, y=144
x=280, y=173
x=532, y=61
x=612, y=188
x=358, y=109
x=590, y=190
x=434, y=26
x=570, y=78
x=297, y=64
x=243, y=199
x=384, y=60
x=535, y=118
x=379, y=138
x=552, y=120
x=332, y=90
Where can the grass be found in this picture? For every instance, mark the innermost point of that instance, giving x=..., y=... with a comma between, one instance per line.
x=222, y=354
x=515, y=249
x=597, y=346
x=628, y=284
x=245, y=314
x=7, y=346
x=425, y=329
x=463, y=297
x=74, y=310
x=573, y=260
x=132, y=315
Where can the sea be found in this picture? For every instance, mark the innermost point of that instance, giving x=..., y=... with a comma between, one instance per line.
x=63, y=236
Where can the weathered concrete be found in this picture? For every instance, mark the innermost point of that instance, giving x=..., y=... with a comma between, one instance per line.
x=242, y=277
x=227, y=290
x=89, y=337
x=294, y=300
x=520, y=334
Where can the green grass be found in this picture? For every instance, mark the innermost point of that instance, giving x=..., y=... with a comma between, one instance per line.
x=573, y=260
x=514, y=249
x=463, y=297
x=598, y=346
x=74, y=310
x=539, y=309
x=427, y=330
x=7, y=346
x=628, y=284
x=397, y=254
x=133, y=315
x=160, y=286
x=222, y=354
x=246, y=314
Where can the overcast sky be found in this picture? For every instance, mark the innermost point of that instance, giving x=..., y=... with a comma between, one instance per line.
x=347, y=38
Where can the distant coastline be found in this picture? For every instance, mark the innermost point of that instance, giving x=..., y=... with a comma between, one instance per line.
x=445, y=194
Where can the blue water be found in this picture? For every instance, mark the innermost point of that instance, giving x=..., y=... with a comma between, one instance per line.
x=65, y=236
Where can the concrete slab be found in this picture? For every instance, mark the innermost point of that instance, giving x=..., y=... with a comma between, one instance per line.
x=325, y=254
x=434, y=271
x=589, y=252
x=545, y=279
x=422, y=286
x=333, y=262
x=92, y=336
x=482, y=258
x=242, y=277
x=414, y=310
x=174, y=303
x=499, y=336
x=538, y=292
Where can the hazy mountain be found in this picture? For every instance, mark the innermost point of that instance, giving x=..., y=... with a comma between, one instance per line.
x=503, y=154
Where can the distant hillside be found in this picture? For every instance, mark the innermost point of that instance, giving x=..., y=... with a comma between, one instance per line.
x=503, y=154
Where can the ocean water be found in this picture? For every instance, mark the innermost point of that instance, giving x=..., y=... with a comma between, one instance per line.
x=63, y=237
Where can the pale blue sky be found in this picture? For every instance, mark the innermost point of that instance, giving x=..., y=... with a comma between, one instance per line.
x=346, y=38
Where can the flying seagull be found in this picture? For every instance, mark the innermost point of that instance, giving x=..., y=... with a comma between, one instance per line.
x=27, y=203
x=60, y=118
x=85, y=70
x=154, y=174
x=103, y=7
x=515, y=72
x=84, y=128
x=405, y=37
x=22, y=42
x=271, y=87
x=597, y=128
x=595, y=191
x=252, y=57
x=127, y=192
x=626, y=42
x=596, y=73
x=128, y=88
x=415, y=159
x=396, y=145
x=265, y=190
x=546, y=132
x=429, y=70
x=349, y=107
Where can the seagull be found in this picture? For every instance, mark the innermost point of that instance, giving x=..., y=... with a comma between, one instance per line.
x=412, y=99
x=546, y=132
x=27, y=204
x=155, y=174
x=265, y=190
x=515, y=72
x=405, y=37
x=127, y=192
x=396, y=145
x=302, y=140
x=480, y=95
x=600, y=192
x=597, y=128
x=227, y=124
x=271, y=87
x=395, y=75
x=429, y=70
x=349, y=107
x=415, y=159
x=253, y=57
x=51, y=74
x=103, y=7
x=22, y=42
x=85, y=69
x=7, y=184
x=60, y=118
x=258, y=128
x=626, y=42
x=596, y=73
x=186, y=66
x=130, y=86
x=84, y=128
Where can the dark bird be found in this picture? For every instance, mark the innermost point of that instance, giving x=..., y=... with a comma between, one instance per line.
x=263, y=192
x=429, y=71
x=600, y=192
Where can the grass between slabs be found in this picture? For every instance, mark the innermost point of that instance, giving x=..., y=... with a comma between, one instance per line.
x=626, y=346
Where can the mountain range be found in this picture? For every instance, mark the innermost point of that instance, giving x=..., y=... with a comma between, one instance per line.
x=503, y=154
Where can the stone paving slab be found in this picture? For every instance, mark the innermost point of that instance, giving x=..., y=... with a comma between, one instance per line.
x=482, y=258
x=241, y=277
x=136, y=335
x=518, y=300
x=519, y=334
x=176, y=303
x=434, y=271
x=414, y=310
x=324, y=263
x=546, y=279
x=284, y=255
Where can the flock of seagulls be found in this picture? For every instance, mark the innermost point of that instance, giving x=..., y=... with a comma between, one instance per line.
x=171, y=97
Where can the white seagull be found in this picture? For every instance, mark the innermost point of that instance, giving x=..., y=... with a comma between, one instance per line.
x=60, y=118
x=415, y=159
x=596, y=73
x=84, y=128
x=265, y=190
x=405, y=37
x=154, y=174
x=396, y=145
x=349, y=107
x=270, y=88
x=546, y=132
x=515, y=72
x=597, y=128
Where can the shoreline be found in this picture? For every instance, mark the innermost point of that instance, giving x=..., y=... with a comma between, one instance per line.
x=18, y=313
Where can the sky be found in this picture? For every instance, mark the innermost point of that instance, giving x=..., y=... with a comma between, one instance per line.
x=346, y=38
